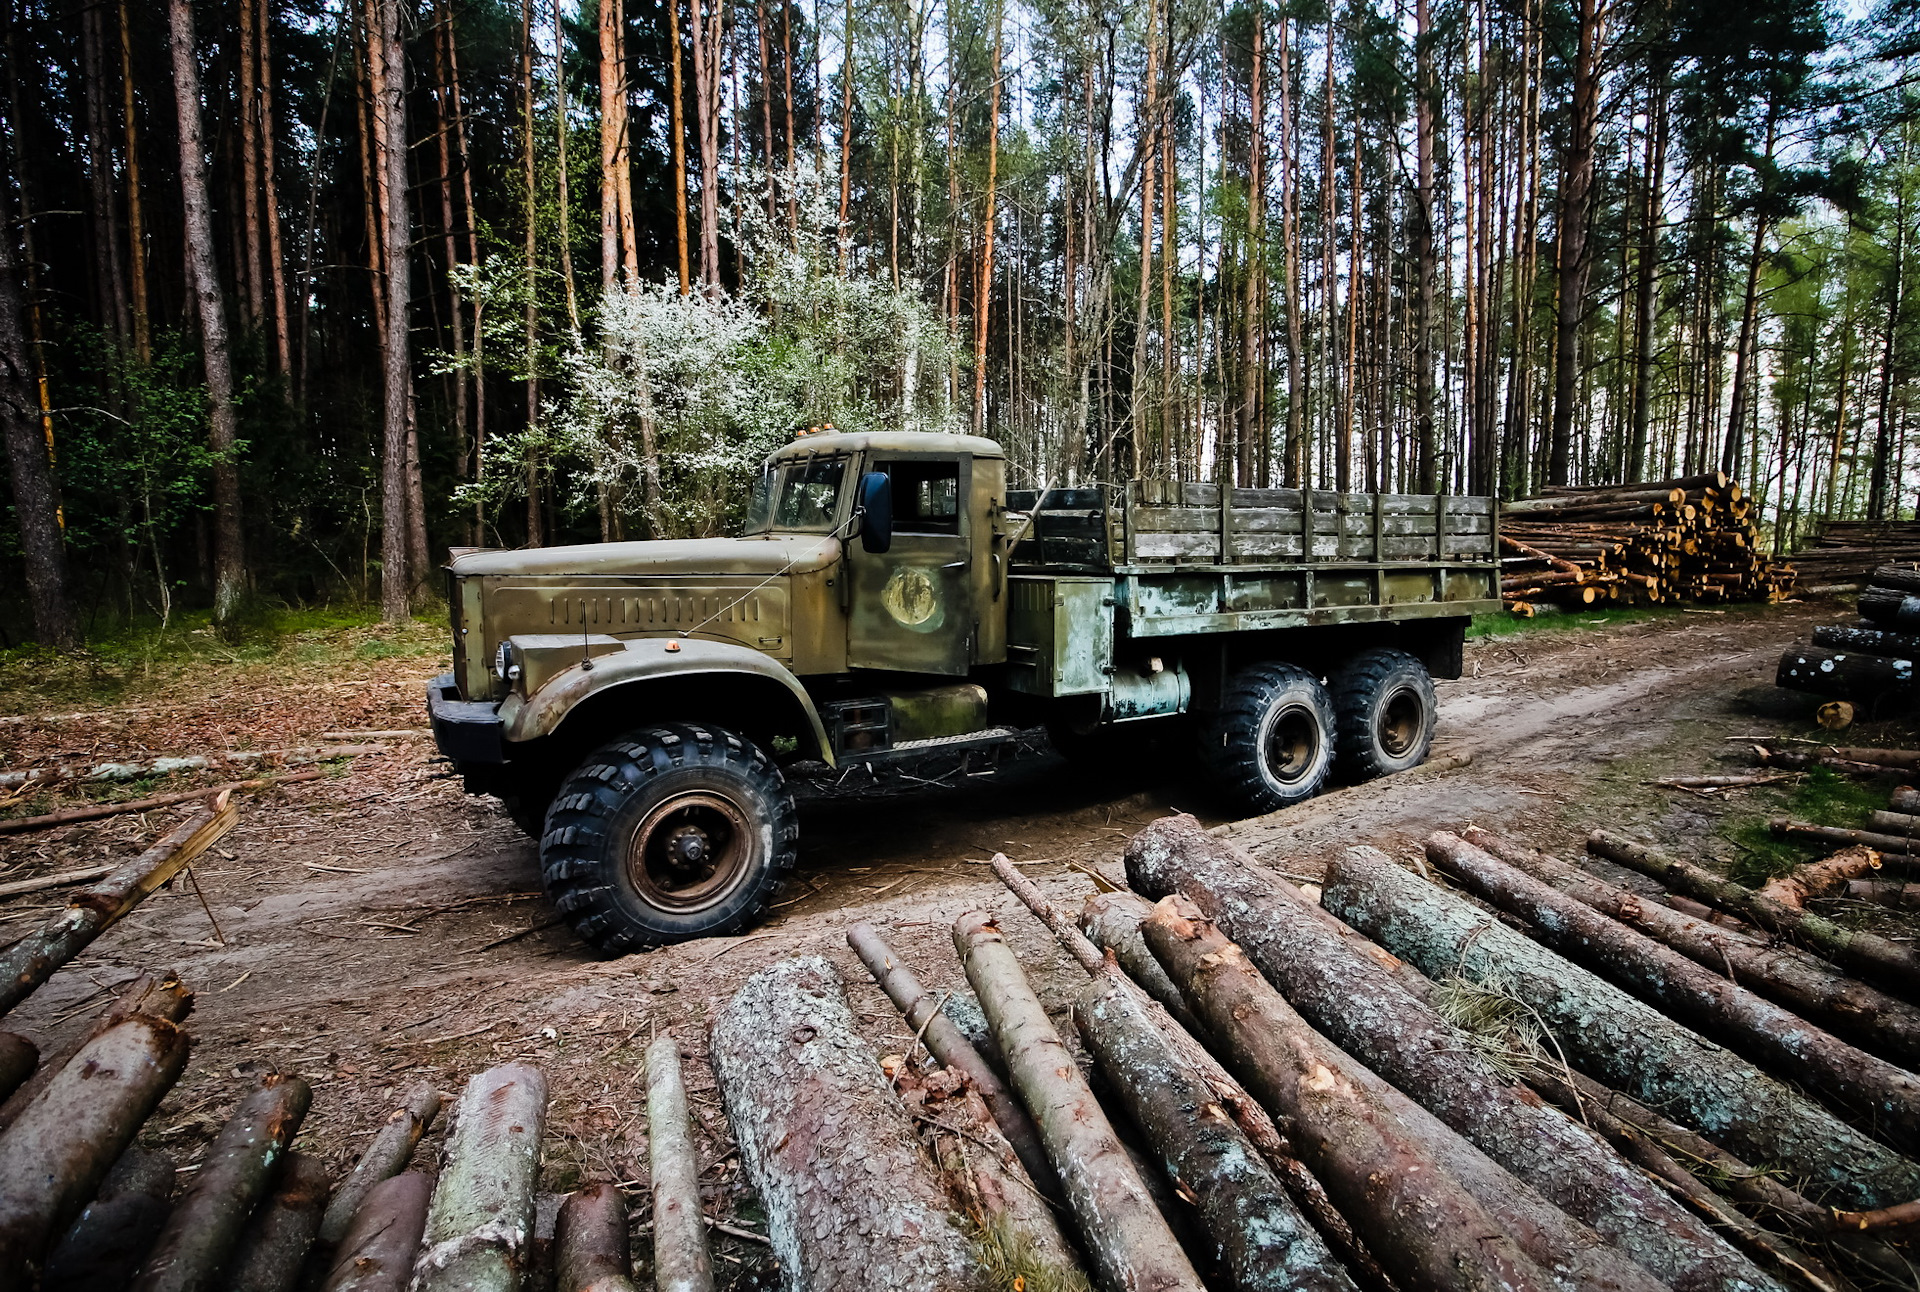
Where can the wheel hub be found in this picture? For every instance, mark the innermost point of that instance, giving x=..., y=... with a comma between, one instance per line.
x=690, y=851
x=688, y=845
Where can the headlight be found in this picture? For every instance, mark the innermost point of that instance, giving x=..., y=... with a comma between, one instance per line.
x=504, y=666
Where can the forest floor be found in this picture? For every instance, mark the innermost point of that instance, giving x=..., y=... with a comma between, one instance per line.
x=379, y=927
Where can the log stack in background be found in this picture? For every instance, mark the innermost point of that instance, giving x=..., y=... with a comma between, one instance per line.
x=1669, y=541
x=1842, y=551
x=1871, y=660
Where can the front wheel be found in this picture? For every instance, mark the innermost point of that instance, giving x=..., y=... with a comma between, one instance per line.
x=1271, y=743
x=668, y=834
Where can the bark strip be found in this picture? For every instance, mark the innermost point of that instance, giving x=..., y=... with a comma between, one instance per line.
x=1614, y=1037
x=236, y=1172
x=850, y=1197
x=387, y=1156
x=480, y=1225
x=681, y=1261
x=1888, y=1097
x=91, y=911
x=1897, y=966
x=1257, y=1234
x=1804, y=983
x=1124, y=1234
x=590, y=1243
x=59, y=1149
x=1426, y=1227
x=1375, y=1016
x=945, y=1042
x=376, y=1252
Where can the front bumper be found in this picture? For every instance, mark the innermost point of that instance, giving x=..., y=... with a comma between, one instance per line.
x=467, y=731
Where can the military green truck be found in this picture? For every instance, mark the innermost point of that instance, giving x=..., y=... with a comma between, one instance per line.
x=640, y=707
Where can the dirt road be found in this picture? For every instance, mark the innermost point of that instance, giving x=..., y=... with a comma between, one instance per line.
x=382, y=927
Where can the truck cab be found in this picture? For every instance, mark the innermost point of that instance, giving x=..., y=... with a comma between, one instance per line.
x=639, y=706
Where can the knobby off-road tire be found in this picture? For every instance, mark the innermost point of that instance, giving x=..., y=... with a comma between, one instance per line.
x=1384, y=710
x=1272, y=742
x=669, y=833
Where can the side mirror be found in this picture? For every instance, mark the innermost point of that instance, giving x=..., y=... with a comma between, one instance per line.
x=876, y=512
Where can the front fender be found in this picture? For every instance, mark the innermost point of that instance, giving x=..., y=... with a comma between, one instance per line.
x=647, y=659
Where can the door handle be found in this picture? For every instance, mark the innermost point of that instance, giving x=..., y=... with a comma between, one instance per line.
x=955, y=565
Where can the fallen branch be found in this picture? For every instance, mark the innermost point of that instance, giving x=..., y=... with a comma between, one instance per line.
x=1898, y=1217
x=98, y=811
x=1790, y=829
x=90, y=912
x=681, y=1261
x=60, y=879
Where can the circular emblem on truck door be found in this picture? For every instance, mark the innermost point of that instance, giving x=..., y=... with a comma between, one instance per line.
x=913, y=599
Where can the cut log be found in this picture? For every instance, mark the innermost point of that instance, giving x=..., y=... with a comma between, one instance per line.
x=1111, y=922
x=1846, y=674
x=1891, y=606
x=1904, y=824
x=1616, y=1038
x=90, y=912
x=1868, y=641
x=1906, y=799
x=1257, y=1235
x=1371, y=1012
x=480, y=1223
x=1905, y=758
x=849, y=1196
x=1803, y=983
x=163, y=997
x=1787, y=828
x=18, y=1058
x=1885, y=1096
x=237, y=1171
x=1900, y=578
x=98, y=811
x=681, y=1261
x=387, y=1156
x=1822, y=877
x=274, y=1248
x=1426, y=1227
x=114, y=1232
x=376, y=1252
x=1253, y=1119
x=1907, y=1213
x=1894, y=965
x=1790, y=760
x=590, y=1244
x=1835, y=715
x=1125, y=1236
x=945, y=1042
x=1885, y=892
x=53, y=1158
x=1565, y=567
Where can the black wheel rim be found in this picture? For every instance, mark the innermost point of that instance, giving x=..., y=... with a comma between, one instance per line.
x=1400, y=722
x=1290, y=745
x=690, y=851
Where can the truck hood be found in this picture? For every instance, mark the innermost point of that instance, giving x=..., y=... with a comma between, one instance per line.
x=771, y=554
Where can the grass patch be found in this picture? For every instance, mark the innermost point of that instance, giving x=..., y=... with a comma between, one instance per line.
x=1502, y=624
x=1822, y=797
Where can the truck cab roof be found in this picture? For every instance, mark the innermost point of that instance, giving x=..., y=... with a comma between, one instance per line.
x=825, y=442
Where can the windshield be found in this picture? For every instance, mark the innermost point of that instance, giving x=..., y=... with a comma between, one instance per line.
x=801, y=497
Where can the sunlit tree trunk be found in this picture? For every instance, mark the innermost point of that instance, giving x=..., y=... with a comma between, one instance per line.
x=983, y=295
x=707, y=35
x=530, y=251
x=398, y=458
x=679, y=126
x=276, y=267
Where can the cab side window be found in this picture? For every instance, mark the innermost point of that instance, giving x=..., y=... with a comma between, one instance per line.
x=926, y=496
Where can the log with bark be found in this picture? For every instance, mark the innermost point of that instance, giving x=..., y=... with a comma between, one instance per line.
x=850, y=1197
x=90, y=912
x=1839, y=836
x=104, y=1247
x=18, y=1058
x=1895, y=608
x=1804, y=983
x=479, y=1226
x=1885, y=892
x=155, y=997
x=1614, y=1037
x=376, y=1252
x=1111, y=922
x=1893, y=965
x=61, y=1146
x=238, y=1170
x=1257, y=1235
x=1905, y=799
x=1796, y=761
x=1125, y=1237
x=590, y=1244
x=1822, y=878
x=1885, y=1096
x=1353, y=1129
x=388, y=1155
x=278, y=1238
x=945, y=1042
x=1904, y=824
x=1849, y=675
x=1867, y=641
x=1253, y=1119
x=1375, y=1015
x=681, y=1261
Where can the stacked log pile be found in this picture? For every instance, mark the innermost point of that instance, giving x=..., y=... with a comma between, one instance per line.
x=1869, y=661
x=1671, y=541
x=1842, y=551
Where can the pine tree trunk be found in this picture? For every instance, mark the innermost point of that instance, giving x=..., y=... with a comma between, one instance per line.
x=679, y=127
x=456, y=311
x=530, y=251
x=983, y=290
x=276, y=266
x=706, y=104
x=613, y=133
x=228, y=556
x=561, y=194
x=1576, y=203
x=397, y=464
x=252, y=221
x=1655, y=184
x=136, y=219
x=1426, y=442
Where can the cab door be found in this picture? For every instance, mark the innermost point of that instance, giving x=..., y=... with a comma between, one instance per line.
x=913, y=604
